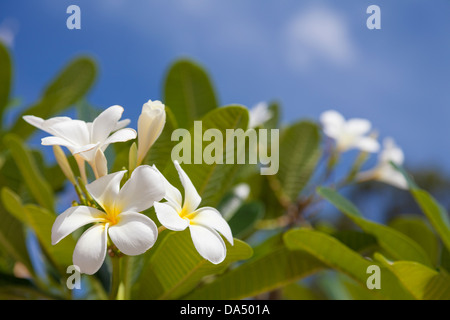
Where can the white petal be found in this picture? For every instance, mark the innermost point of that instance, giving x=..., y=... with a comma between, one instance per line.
x=72, y=219
x=52, y=141
x=134, y=234
x=122, y=124
x=74, y=131
x=389, y=175
x=90, y=250
x=211, y=218
x=357, y=127
x=208, y=243
x=333, y=123
x=44, y=125
x=191, y=197
x=259, y=114
x=105, y=190
x=367, y=144
x=172, y=194
x=105, y=123
x=101, y=163
x=169, y=217
x=144, y=187
x=391, y=152
x=121, y=135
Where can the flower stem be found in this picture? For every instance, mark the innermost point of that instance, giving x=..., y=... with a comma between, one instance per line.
x=116, y=278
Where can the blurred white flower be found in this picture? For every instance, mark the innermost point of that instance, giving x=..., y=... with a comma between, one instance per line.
x=150, y=125
x=131, y=232
x=204, y=223
x=348, y=134
x=259, y=114
x=384, y=171
x=85, y=138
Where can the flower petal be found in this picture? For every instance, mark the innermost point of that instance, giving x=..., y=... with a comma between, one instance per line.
x=134, y=234
x=90, y=250
x=105, y=190
x=121, y=135
x=57, y=141
x=72, y=219
x=208, y=243
x=173, y=195
x=169, y=217
x=367, y=144
x=105, y=123
x=191, y=197
x=357, y=127
x=332, y=122
x=74, y=131
x=44, y=125
x=144, y=187
x=211, y=218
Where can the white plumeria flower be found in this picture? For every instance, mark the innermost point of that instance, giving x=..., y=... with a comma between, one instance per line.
x=85, y=138
x=259, y=114
x=150, y=125
x=384, y=171
x=132, y=232
x=348, y=134
x=204, y=223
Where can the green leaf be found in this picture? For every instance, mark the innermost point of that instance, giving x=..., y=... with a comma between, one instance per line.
x=39, y=188
x=398, y=245
x=356, y=240
x=212, y=181
x=245, y=218
x=435, y=213
x=299, y=154
x=13, y=239
x=416, y=228
x=271, y=271
x=40, y=221
x=5, y=79
x=337, y=256
x=422, y=282
x=70, y=85
x=188, y=92
x=175, y=268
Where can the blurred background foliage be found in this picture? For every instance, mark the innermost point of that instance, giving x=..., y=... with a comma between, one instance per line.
x=288, y=248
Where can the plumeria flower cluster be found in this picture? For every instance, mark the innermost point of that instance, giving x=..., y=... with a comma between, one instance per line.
x=355, y=133
x=114, y=202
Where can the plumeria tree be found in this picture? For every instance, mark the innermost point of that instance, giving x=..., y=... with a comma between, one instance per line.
x=142, y=222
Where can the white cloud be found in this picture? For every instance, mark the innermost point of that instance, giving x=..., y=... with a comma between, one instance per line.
x=8, y=30
x=318, y=35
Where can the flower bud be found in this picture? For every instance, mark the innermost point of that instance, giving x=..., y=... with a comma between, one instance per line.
x=150, y=125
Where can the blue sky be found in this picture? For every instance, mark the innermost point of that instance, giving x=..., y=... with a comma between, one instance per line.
x=309, y=55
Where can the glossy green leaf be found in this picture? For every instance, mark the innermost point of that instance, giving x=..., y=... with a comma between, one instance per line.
x=189, y=92
x=299, y=154
x=35, y=182
x=175, y=267
x=434, y=211
x=398, y=245
x=69, y=86
x=422, y=282
x=40, y=221
x=270, y=271
x=212, y=181
x=416, y=228
x=245, y=218
x=338, y=256
x=5, y=79
x=13, y=238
